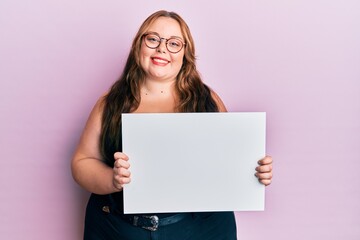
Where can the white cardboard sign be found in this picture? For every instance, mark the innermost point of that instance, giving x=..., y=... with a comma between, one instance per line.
x=193, y=162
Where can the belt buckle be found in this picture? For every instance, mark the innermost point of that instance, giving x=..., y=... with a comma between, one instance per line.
x=154, y=221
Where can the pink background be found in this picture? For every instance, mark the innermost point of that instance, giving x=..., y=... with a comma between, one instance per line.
x=297, y=60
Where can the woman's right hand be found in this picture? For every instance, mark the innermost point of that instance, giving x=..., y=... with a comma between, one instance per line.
x=121, y=171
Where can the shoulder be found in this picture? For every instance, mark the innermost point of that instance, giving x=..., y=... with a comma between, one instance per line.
x=220, y=104
x=96, y=113
x=99, y=106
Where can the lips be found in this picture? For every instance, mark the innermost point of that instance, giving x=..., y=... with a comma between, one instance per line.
x=159, y=61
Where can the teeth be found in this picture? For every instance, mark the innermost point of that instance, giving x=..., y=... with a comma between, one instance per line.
x=160, y=60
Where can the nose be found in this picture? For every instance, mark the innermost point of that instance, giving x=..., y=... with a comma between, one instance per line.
x=162, y=45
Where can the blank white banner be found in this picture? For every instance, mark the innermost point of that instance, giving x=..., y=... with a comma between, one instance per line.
x=193, y=162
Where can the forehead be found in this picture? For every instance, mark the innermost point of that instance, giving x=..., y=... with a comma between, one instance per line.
x=166, y=27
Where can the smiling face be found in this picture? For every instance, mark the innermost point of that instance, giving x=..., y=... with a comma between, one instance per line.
x=159, y=64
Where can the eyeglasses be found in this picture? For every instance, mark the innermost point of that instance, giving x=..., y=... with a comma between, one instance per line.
x=173, y=44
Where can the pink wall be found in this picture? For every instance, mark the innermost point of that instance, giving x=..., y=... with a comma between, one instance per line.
x=297, y=60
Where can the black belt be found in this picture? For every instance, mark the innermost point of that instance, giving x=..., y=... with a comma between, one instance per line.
x=153, y=222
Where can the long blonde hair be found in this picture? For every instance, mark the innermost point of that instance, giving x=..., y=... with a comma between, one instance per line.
x=124, y=95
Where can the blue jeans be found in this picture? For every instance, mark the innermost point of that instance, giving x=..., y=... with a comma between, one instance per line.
x=110, y=225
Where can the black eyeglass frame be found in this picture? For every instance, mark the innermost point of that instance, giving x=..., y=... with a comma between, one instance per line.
x=166, y=41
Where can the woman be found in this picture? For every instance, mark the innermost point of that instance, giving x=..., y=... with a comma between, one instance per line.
x=160, y=76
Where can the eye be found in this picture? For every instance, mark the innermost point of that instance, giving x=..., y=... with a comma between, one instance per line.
x=152, y=38
x=174, y=43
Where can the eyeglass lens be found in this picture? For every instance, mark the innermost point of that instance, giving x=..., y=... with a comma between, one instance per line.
x=173, y=45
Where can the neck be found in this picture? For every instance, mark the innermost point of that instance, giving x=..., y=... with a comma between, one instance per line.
x=158, y=87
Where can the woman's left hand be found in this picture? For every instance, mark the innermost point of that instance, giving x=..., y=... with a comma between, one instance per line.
x=264, y=170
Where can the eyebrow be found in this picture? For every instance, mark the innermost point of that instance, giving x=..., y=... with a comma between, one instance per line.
x=160, y=36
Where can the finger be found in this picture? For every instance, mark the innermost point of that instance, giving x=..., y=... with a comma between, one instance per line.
x=125, y=181
x=120, y=163
x=119, y=180
x=120, y=155
x=264, y=175
x=265, y=160
x=117, y=186
x=124, y=172
x=116, y=183
x=266, y=182
x=264, y=168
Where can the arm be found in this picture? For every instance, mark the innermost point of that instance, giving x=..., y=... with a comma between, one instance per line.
x=88, y=170
x=264, y=170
